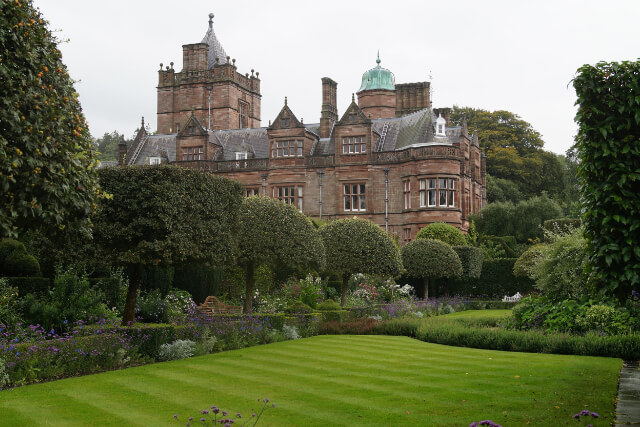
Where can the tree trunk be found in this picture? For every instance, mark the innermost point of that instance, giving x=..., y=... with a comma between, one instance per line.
x=425, y=292
x=135, y=279
x=249, y=285
x=343, y=289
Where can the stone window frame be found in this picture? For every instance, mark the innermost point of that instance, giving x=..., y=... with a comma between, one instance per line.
x=192, y=153
x=291, y=194
x=406, y=234
x=354, y=145
x=406, y=193
x=438, y=192
x=355, y=194
x=251, y=191
x=286, y=148
x=243, y=114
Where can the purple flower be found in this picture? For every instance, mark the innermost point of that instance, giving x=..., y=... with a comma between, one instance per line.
x=576, y=416
x=204, y=411
x=190, y=418
x=203, y=419
x=175, y=416
x=585, y=413
x=224, y=413
x=239, y=415
x=266, y=400
x=473, y=424
x=595, y=415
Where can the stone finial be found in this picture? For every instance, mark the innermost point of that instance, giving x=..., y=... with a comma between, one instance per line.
x=246, y=74
x=378, y=59
x=252, y=72
x=257, y=74
x=122, y=141
x=142, y=122
x=171, y=63
x=161, y=64
x=211, y=19
x=301, y=120
x=167, y=68
x=285, y=101
x=353, y=97
x=234, y=61
x=228, y=58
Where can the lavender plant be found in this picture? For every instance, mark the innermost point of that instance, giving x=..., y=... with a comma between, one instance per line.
x=216, y=415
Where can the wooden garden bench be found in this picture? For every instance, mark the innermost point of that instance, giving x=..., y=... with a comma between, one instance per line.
x=212, y=305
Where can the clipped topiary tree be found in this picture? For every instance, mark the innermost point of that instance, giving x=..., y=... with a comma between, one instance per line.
x=165, y=215
x=275, y=234
x=430, y=259
x=471, y=260
x=15, y=261
x=608, y=145
x=443, y=232
x=359, y=246
x=48, y=164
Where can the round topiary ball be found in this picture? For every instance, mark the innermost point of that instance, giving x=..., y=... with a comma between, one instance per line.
x=299, y=307
x=329, y=305
x=21, y=264
x=443, y=232
x=8, y=246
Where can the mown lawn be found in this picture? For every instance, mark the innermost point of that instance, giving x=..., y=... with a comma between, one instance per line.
x=332, y=380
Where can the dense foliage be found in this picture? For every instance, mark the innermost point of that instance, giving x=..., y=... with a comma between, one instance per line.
x=444, y=232
x=107, y=145
x=608, y=147
x=15, y=261
x=275, y=234
x=471, y=259
x=359, y=246
x=166, y=215
x=47, y=164
x=430, y=259
x=517, y=165
x=495, y=281
x=522, y=220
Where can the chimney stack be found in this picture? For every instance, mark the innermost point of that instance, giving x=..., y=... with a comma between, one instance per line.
x=329, y=112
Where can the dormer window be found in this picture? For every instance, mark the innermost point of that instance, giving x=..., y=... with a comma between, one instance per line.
x=155, y=160
x=440, y=126
x=353, y=145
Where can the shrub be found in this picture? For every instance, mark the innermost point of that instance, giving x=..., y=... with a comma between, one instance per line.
x=113, y=289
x=30, y=285
x=179, y=349
x=71, y=300
x=604, y=318
x=523, y=267
x=152, y=308
x=290, y=332
x=298, y=307
x=561, y=225
x=21, y=264
x=178, y=304
x=9, y=307
x=443, y=232
x=560, y=271
x=329, y=305
x=7, y=247
x=471, y=259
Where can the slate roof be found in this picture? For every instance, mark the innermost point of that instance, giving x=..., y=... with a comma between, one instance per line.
x=215, y=48
x=253, y=141
x=163, y=146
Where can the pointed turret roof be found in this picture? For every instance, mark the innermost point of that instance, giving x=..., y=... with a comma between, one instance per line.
x=215, y=48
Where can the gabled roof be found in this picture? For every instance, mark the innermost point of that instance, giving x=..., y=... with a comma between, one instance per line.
x=286, y=113
x=215, y=48
x=353, y=111
x=193, y=127
x=253, y=141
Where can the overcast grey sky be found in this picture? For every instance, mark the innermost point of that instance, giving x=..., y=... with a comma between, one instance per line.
x=510, y=55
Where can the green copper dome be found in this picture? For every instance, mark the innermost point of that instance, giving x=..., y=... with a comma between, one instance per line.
x=378, y=78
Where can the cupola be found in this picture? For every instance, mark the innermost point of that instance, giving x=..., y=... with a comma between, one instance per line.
x=441, y=125
x=378, y=78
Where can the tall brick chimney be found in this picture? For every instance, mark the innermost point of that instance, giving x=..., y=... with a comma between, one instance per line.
x=122, y=151
x=329, y=112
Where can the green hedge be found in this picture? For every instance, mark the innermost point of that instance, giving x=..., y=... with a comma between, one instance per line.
x=508, y=243
x=434, y=330
x=561, y=225
x=29, y=285
x=496, y=281
x=471, y=259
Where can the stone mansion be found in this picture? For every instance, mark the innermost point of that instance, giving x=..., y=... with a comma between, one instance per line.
x=390, y=157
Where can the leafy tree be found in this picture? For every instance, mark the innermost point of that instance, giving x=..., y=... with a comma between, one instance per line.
x=502, y=190
x=48, y=173
x=522, y=220
x=159, y=215
x=275, y=234
x=359, y=246
x=608, y=145
x=443, y=232
x=430, y=259
x=499, y=129
x=108, y=145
